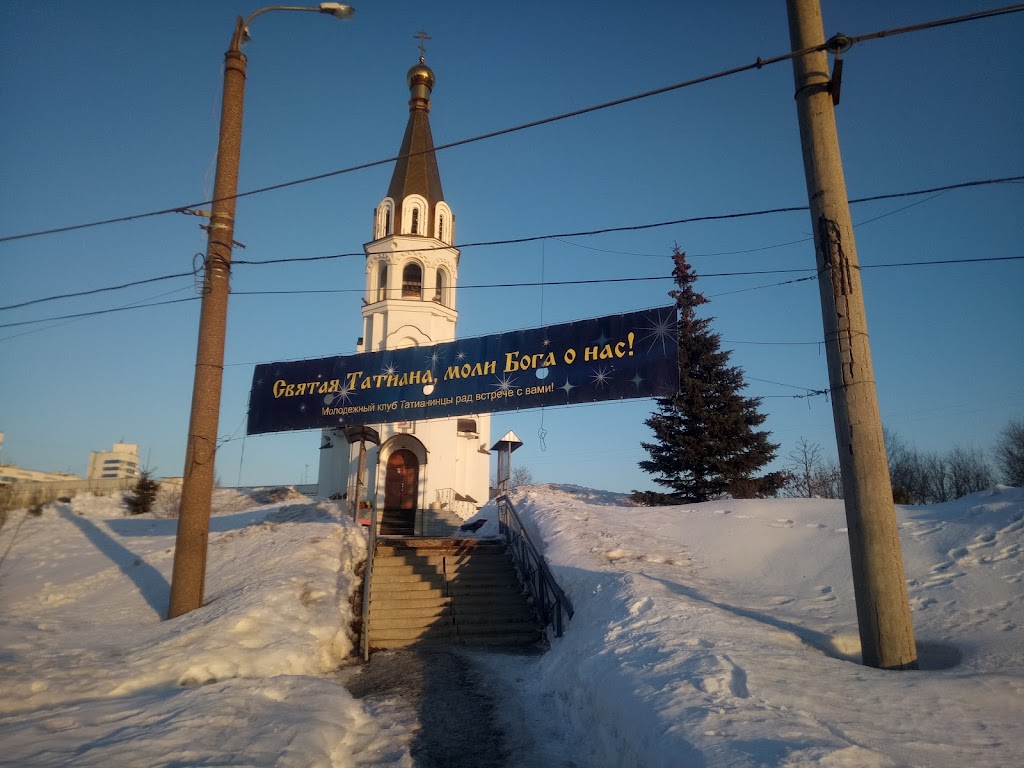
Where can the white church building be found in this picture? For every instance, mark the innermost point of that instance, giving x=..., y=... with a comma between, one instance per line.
x=410, y=301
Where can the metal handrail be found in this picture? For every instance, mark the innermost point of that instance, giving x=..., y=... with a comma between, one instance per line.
x=371, y=547
x=547, y=596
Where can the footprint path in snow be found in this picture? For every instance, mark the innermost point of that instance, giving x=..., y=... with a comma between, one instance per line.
x=452, y=704
x=712, y=673
x=985, y=548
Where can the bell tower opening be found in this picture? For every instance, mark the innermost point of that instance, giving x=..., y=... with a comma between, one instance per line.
x=412, y=281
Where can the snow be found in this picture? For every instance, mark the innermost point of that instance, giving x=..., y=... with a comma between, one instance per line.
x=716, y=634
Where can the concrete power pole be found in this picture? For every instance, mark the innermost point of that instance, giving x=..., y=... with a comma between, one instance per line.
x=188, y=575
x=880, y=587
x=189, y=571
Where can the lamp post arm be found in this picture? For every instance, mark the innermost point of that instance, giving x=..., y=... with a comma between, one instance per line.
x=240, y=28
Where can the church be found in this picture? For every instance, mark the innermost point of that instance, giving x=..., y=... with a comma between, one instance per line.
x=410, y=470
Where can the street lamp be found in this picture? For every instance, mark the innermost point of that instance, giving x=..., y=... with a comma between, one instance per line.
x=189, y=574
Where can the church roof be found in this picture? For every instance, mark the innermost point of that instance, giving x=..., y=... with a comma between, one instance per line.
x=416, y=171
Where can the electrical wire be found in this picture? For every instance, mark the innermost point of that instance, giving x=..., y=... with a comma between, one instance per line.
x=976, y=15
x=541, y=284
x=96, y=290
x=655, y=225
x=758, y=64
x=593, y=281
x=301, y=259
x=776, y=343
x=940, y=261
x=98, y=312
x=761, y=287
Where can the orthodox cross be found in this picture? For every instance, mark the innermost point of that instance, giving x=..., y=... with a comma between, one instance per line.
x=422, y=36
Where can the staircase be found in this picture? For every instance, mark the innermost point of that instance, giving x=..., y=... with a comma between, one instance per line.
x=423, y=522
x=397, y=522
x=447, y=591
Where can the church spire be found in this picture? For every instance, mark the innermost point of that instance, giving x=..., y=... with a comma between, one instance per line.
x=416, y=171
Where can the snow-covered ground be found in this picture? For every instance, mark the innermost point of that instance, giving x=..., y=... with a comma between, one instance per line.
x=718, y=634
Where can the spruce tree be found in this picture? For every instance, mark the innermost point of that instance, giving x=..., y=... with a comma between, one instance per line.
x=140, y=500
x=706, y=445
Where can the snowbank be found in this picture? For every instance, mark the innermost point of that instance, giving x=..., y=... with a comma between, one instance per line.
x=93, y=676
x=718, y=634
x=724, y=634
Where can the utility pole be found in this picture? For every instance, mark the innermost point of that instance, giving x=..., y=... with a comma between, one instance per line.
x=189, y=572
x=879, y=583
x=188, y=576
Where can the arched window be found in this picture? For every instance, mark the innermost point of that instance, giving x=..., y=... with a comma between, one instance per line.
x=384, y=218
x=412, y=281
x=444, y=222
x=382, y=282
x=412, y=220
x=439, y=286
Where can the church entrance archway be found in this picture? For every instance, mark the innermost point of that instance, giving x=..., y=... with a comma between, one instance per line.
x=401, y=491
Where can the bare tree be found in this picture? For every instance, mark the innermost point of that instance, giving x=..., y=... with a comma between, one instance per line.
x=168, y=500
x=829, y=481
x=968, y=471
x=803, y=460
x=520, y=476
x=1010, y=453
x=932, y=478
x=934, y=482
x=808, y=476
x=902, y=470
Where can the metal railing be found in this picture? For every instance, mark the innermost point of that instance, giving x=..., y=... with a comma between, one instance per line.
x=371, y=547
x=449, y=499
x=550, y=601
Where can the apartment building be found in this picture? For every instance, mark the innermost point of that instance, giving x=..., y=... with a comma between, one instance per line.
x=121, y=461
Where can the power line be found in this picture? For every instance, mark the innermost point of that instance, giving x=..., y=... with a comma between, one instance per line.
x=758, y=64
x=288, y=260
x=761, y=287
x=747, y=250
x=940, y=261
x=991, y=13
x=137, y=304
x=536, y=284
x=188, y=208
x=310, y=291
x=97, y=312
x=776, y=343
x=97, y=290
x=654, y=225
x=301, y=259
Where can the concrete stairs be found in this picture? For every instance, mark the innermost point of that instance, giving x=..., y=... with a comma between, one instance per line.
x=447, y=591
x=439, y=523
x=397, y=522
x=423, y=522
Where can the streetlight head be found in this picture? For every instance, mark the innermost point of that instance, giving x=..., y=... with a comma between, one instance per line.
x=341, y=11
x=838, y=44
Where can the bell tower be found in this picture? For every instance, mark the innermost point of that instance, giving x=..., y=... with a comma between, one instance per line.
x=421, y=470
x=411, y=264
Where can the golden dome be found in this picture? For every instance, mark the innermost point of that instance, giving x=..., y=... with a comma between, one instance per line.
x=421, y=74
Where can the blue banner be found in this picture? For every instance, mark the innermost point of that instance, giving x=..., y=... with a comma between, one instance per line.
x=606, y=358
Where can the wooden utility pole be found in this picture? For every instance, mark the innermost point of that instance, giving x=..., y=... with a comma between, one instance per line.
x=880, y=587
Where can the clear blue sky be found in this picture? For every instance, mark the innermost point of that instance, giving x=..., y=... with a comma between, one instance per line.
x=111, y=109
